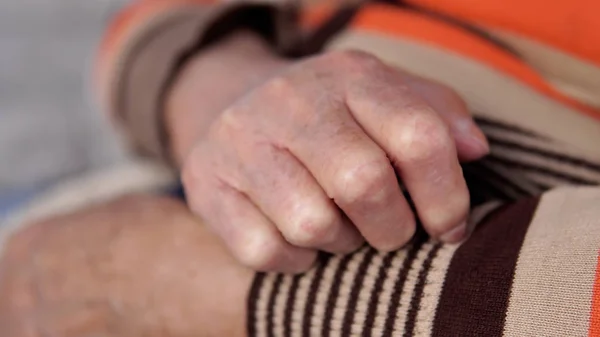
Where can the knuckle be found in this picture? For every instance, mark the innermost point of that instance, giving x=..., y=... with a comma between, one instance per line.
x=362, y=184
x=192, y=166
x=445, y=217
x=311, y=229
x=259, y=251
x=198, y=180
x=279, y=86
x=229, y=123
x=355, y=59
x=285, y=95
x=422, y=139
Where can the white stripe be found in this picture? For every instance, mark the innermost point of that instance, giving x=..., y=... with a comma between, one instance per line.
x=341, y=302
x=554, y=277
x=280, y=301
x=263, y=302
x=362, y=305
x=300, y=303
x=409, y=287
x=322, y=295
x=386, y=293
x=577, y=171
x=433, y=290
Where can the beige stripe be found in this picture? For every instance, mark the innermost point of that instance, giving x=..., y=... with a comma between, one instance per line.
x=300, y=303
x=546, y=180
x=538, y=143
x=322, y=294
x=515, y=177
x=552, y=288
x=487, y=91
x=553, y=164
x=409, y=287
x=386, y=293
x=263, y=302
x=280, y=302
x=539, y=178
x=573, y=76
x=344, y=294
x=362, y=305
x=529, y=141
x=433, y=290
x=437, y=274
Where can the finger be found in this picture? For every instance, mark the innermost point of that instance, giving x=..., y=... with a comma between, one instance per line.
x=247, y=232
x=291, y=197
x=421, y=147
x=358, y=176
x=471, y=143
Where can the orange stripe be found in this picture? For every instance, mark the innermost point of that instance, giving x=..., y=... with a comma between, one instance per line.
x=134, y=15
x=409, y=24
x=116, y=36
x=595, y=313
x=571, y=25
x=314, y=15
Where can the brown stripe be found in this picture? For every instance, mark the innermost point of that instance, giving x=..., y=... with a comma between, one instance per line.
x=312, y=295
x=491, y=123
x=415, y=302
x=289, y=306
x=399, y=285
x=376, y=292
x=271, y=306
x=253, y=298
x=323, y=34
x=540, y=170
x=333, y=295
x=545, y=153
x=500, y=180
x=355, y=291
x=475, y=296
x=481, y=189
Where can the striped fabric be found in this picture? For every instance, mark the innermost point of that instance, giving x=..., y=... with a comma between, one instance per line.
x=532, y=264
x=528, y=269
x=148, y=43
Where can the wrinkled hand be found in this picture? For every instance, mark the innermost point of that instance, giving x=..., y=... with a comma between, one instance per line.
x=138, y=266
x=309, y=161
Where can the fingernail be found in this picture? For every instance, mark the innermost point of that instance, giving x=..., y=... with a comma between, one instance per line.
x=468, y=130
x=455, y=235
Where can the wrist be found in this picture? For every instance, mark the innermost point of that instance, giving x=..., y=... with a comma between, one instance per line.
x=210, y=82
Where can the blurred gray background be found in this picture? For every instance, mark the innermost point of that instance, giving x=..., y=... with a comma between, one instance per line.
x=50, y=128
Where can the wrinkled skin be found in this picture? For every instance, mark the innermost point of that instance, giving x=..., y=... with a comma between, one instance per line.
x=138, y=266
x=307, y=156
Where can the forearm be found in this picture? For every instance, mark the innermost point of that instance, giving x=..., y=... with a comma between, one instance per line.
x=138, y=58
x=211, y=81
x=137, y=266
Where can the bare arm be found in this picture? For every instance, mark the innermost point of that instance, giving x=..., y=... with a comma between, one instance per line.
x=138, y=266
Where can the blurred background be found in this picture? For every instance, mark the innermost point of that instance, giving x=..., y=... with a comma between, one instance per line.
x=50, y=127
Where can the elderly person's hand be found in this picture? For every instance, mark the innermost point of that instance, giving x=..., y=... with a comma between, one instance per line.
x=139, y=266
x=310, y=158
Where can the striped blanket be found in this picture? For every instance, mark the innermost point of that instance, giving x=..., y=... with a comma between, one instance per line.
x=530, y=268
x=531, y=265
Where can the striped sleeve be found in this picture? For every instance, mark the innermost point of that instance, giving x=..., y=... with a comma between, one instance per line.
x=529, y=269
x=149, y=41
